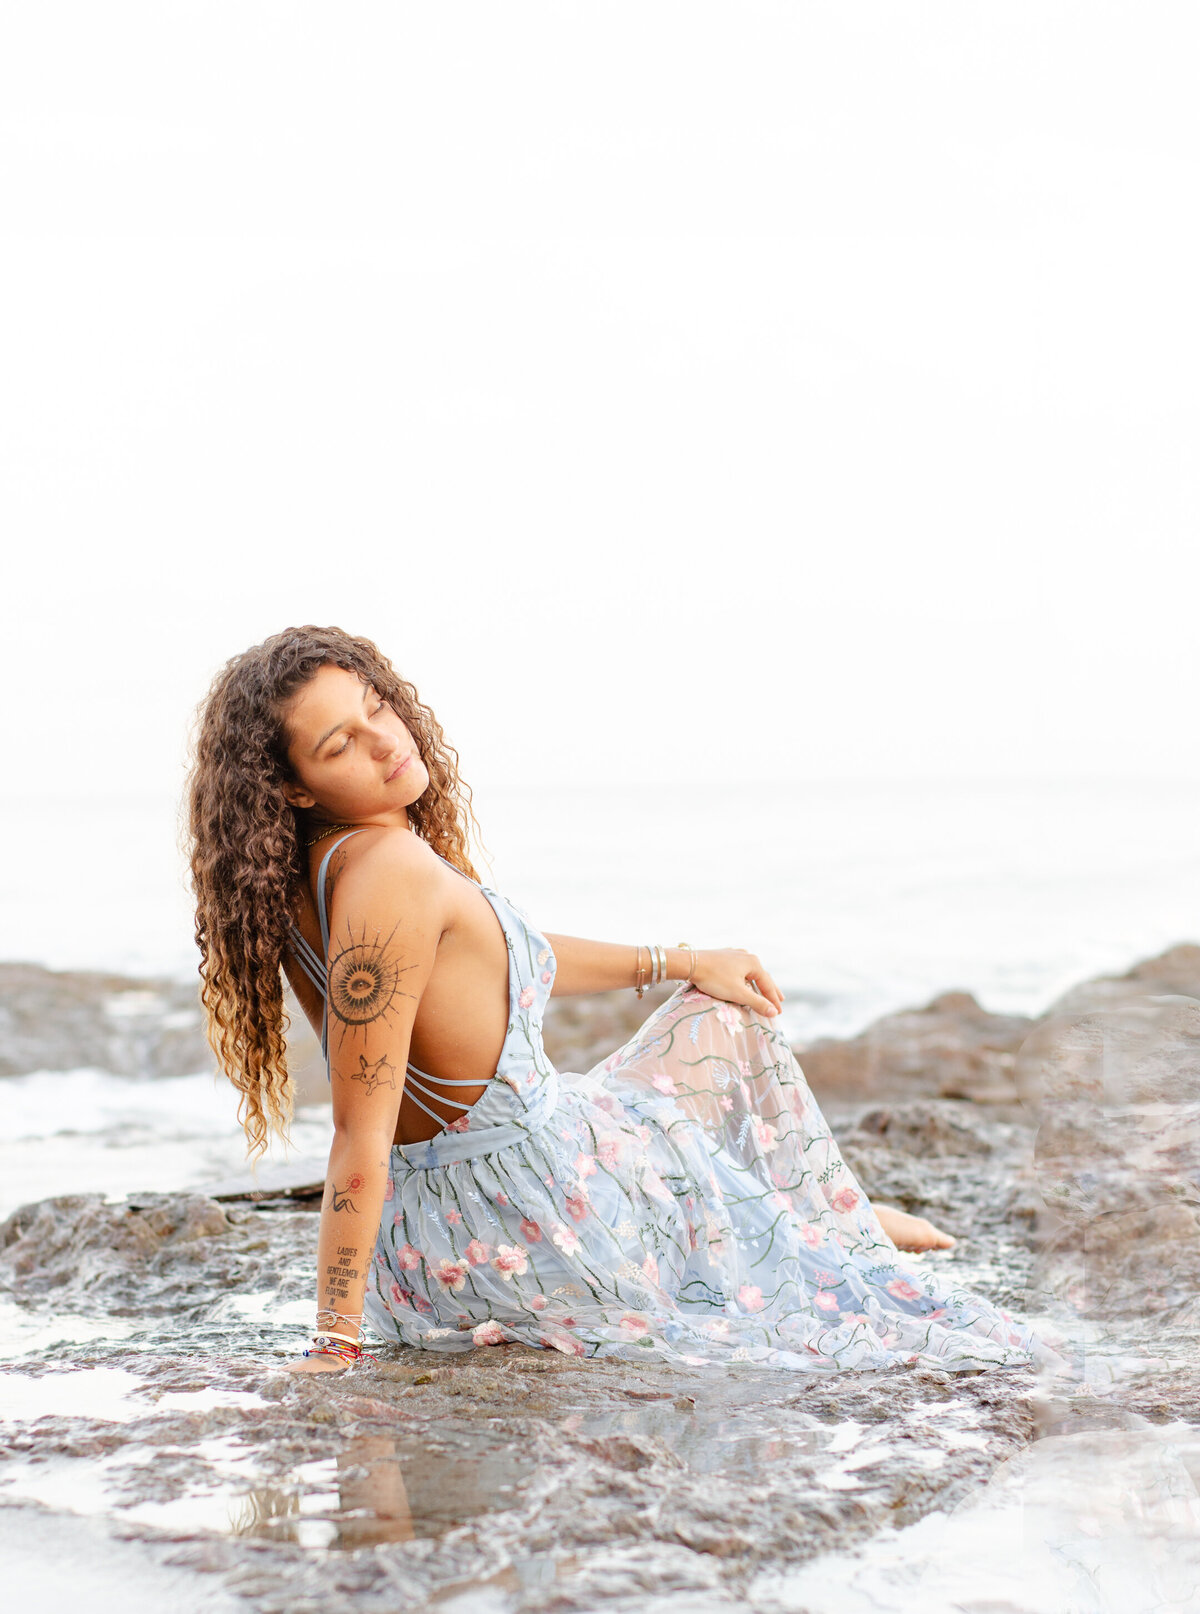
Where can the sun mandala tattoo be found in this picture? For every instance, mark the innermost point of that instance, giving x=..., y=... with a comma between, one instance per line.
x=364, y=982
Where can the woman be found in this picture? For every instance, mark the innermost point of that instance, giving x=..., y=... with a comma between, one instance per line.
x=684, y=1198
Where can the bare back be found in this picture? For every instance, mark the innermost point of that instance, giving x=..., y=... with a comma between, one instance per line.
x=462, y=1018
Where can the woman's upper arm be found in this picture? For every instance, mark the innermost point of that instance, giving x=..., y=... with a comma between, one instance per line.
x=386, y=919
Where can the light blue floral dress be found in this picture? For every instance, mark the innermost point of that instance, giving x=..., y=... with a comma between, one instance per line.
x=683, y=1199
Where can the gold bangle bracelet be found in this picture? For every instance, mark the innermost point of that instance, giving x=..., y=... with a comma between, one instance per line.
x=691, y=952
x=639, y=979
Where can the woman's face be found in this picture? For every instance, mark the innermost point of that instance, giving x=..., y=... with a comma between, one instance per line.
x=351, y=756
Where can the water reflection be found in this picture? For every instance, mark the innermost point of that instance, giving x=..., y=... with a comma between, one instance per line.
x=382, y=1488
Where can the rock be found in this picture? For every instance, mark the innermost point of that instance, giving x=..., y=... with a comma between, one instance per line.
x=927, y=1129
x=1175, y=972
x=148, y=1254
x=1136, y=1050
x=52, y=1020
x=128, y=1026
x=952, y=1048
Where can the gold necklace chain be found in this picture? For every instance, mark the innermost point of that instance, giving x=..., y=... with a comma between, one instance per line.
x=332, y=830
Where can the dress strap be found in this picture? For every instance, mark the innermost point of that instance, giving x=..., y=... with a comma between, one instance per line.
x=446, y=1081
x=440, y=1119
x=306, y=957
x=411, y=1082
x=321, y=910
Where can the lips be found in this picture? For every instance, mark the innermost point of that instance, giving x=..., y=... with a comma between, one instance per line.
x=398, y=769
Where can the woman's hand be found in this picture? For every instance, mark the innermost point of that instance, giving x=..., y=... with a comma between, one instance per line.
x=736, y=976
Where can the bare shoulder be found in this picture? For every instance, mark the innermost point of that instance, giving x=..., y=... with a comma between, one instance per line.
x=381, y=867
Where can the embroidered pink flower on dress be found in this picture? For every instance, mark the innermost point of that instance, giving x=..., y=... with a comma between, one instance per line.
x=728, y=1015
x=650, y=1268
x=509, y=1259
x=585, y=1165
x=608, y=1154
x=781, y=1202
x=420, y=1302
x=811, y=1235
x=566, y=1238
x=902, y=1289
x=389, y=1191
x=577, y=1207
x=539, y=1303
x=664, y=1083
x=766, y=1134
x=750, y=1297
x=743, y=1068
x=397, y=1219
x=451, y=1274
x=826, y=1300
x=453, y=1216
x=844, y=1200
x=725, y=1102
x=940, y=1312
x=408, y=1258
x=460, y=1125
x=564, y=1343
x=634, y=1324
x=477, y=1252
x=530, y=1231
x=501, y=1199
x=400, y=1297
x=643, y=1133
x=526, y=998
x=546, y=977
x=489, y=1333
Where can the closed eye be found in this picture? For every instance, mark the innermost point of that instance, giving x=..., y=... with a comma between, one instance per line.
x=346, y=742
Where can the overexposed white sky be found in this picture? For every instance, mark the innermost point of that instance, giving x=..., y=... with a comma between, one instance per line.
x=674, y=391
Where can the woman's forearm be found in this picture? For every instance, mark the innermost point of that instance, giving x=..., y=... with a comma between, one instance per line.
x=355, y=1186
x=593, y=966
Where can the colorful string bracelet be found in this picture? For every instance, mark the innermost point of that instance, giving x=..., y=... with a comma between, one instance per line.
x=346, y=1350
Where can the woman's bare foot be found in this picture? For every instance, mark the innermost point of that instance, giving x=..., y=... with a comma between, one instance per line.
x=911, y=1232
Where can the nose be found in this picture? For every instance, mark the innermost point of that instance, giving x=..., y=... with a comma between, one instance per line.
x=385, y=744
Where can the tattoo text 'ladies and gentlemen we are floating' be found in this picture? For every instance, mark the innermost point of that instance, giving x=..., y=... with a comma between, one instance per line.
x=339, y=1278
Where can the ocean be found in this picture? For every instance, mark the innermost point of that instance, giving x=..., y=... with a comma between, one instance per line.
x=859, y=898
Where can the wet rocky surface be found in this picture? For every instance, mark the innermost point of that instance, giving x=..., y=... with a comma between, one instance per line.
x=527, y=1478
x=150, y=1430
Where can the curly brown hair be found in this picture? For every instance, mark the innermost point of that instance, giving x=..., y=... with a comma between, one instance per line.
x=246, y=845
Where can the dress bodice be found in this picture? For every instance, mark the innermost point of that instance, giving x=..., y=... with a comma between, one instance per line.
x=525, y=1085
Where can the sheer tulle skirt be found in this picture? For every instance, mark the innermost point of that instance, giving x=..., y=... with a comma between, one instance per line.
x=684, y=1198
